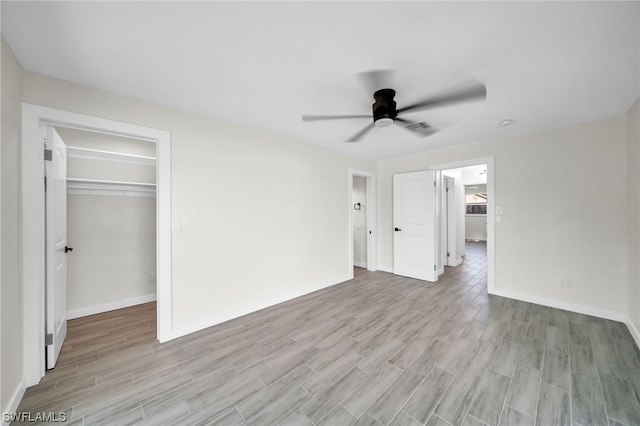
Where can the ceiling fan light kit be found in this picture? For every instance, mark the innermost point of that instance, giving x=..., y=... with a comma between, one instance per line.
x=384, y=108
x=384, y=122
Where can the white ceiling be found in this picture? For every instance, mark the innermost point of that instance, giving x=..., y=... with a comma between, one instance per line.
x=263, y=64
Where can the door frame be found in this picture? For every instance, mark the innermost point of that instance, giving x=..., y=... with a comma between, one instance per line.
x=489, y=162
x=372, y=256
x=34, y=118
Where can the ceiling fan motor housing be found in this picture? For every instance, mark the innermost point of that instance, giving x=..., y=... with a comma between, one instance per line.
x=384, y=107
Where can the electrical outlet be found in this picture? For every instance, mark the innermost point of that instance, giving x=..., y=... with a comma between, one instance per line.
x=563, y=283
x=151, y=279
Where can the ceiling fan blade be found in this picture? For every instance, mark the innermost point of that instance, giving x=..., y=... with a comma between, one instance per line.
x=331, y=117
x=420, y=130
x=375, y=80
x=361, y=133
x=404, y=121
x=474, y=92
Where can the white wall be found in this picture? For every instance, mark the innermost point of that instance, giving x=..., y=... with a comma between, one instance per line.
x=114, y=252
x=633, y=195
x=113, y=263
x=575, y=237
x=11, y=323
x=238, y=192
x=475, y=226
x=360, y=222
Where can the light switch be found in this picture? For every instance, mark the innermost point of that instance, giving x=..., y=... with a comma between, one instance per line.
x=498, y=210
x=176, y=225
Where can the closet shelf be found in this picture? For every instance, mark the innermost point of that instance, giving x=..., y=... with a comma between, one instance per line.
x=96, y=154
x=76, y=186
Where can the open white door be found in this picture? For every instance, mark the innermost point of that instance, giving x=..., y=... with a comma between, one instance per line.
x=450, y=219
x=414, y=218
x=56, y=245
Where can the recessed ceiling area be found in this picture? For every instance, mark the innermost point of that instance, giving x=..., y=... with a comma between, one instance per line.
x=264, y=64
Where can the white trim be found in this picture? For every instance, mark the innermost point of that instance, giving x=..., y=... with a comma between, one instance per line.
x=559, y=304
x=360, y=264
x=491, y=234
x=34, y=117
x=383, y=268
x=635, y=333
x=112, y=306
x=15, y=399
x=77, y=186
x=118, y=157
x=458, y=262
x=372, y=207
x=218, y=319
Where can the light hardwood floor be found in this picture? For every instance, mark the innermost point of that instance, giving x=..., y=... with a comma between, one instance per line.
x=379, y=349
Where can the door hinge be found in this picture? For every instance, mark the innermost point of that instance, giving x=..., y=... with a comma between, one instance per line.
x=48, y=339
x=45, y=184
x=48, y=155
x=434, y=183
x=434, y=267
x=448, y=254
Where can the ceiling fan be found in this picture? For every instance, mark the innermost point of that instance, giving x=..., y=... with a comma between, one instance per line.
x=386, y=113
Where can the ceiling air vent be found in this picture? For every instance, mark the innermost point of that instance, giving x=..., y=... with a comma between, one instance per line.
x=418, y=126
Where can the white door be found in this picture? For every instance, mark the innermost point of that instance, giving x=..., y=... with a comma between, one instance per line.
x=451, y=218
x=414, y=213
x=56, y=245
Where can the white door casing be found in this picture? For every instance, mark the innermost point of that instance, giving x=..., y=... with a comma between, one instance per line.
x=489, y=162
x=56, y=245
x=439, y=219
x=33, y=224
x=414, y=218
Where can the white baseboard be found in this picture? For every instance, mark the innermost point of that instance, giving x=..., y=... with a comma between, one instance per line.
x=15, y=399
x=360, y=264
x=388, y=269
x=106, y=307
x=633, y=330
x=567, y=306
x=217, y=319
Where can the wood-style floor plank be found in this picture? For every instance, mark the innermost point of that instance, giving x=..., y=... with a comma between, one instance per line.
x=376, y=350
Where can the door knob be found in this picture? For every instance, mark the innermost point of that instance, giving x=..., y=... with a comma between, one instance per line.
x=397, y=229
x=68, y=249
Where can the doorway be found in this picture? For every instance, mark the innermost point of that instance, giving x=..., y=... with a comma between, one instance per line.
x=111, y=211
x=474, y=178
x=362, y=220
x=34, y=121
x=359, y=221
